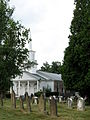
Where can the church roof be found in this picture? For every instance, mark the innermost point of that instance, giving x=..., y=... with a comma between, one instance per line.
x=49, y=76
x=39, y=75
x=25, y=76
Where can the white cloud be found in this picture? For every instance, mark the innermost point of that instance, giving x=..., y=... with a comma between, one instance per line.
x=49, y=21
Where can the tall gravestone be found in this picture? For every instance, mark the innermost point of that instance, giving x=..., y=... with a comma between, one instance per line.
x=21, y=103
x=80, y=102
x=28, y=102
x=53, y=107
x=42, y=104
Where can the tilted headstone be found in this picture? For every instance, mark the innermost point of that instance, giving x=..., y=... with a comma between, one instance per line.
x=28, y=102
x=42, y=104
x=21, y=103
x=13, y=99
x=53, y=106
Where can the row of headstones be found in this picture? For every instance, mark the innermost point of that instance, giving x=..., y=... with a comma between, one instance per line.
x=70, y=101
x=41, y=103
x=52, y=106
x=22, y=99
x=80, y=103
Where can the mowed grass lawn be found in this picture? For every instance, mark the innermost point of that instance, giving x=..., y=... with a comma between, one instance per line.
x=7, y=113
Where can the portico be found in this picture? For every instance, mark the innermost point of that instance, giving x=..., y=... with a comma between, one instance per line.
x=20, y=87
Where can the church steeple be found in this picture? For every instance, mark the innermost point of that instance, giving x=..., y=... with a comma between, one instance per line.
x=30, y=45
x=32, y=57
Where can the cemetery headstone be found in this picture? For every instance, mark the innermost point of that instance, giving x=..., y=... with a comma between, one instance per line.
x=21, y=103
x=42, y=104
x=36, y=100
x=70, y=102
x=60, y=98
x=81, y=104
x=28, y=102
x=53, y=106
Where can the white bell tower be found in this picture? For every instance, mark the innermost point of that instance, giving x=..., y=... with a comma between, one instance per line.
x=32, y=58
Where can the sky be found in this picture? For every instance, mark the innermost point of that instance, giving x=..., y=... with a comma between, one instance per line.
x=49, y=22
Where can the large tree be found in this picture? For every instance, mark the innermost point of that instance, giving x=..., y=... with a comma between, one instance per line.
x=13, y=54
x=76, y=64
x=55, y=67
x=46, y=67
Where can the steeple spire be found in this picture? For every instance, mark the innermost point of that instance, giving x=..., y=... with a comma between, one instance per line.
x=32, y=56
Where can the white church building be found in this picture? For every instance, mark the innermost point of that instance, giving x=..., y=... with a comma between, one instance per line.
x=33, y=80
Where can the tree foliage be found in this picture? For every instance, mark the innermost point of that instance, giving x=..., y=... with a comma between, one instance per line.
x=55, y=67
x=46, y=67
x=76, y=64
x=13, y=54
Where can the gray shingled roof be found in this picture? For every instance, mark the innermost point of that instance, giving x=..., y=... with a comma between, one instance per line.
x=39, y=75
x=49, y=76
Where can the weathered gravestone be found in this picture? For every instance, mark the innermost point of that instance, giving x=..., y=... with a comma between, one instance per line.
x=21, y=103
x=36, y=100
x=81, y=104
x=60, y=98
x=13, y=99
x=70, y=102
x=28, y=102
x=42, y=104
x=53, y=106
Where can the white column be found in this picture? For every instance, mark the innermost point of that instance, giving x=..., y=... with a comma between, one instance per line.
x=28, y=87
x=37, y=85
x=19, y=88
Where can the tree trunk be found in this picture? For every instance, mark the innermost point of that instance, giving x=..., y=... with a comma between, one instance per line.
x=1, y=97
x=13, y=99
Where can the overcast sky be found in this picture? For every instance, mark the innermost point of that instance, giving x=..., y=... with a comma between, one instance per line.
x=49, y=21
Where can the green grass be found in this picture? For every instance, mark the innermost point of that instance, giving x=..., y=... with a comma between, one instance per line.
x=7, y=113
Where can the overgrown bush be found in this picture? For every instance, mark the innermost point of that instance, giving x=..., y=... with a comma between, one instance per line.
x=38, y=93
x=48, y=94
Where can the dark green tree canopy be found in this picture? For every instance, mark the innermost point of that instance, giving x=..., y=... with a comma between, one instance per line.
x=13, y=54
x=46, y=67
x=76, y=64
x=55, y=67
